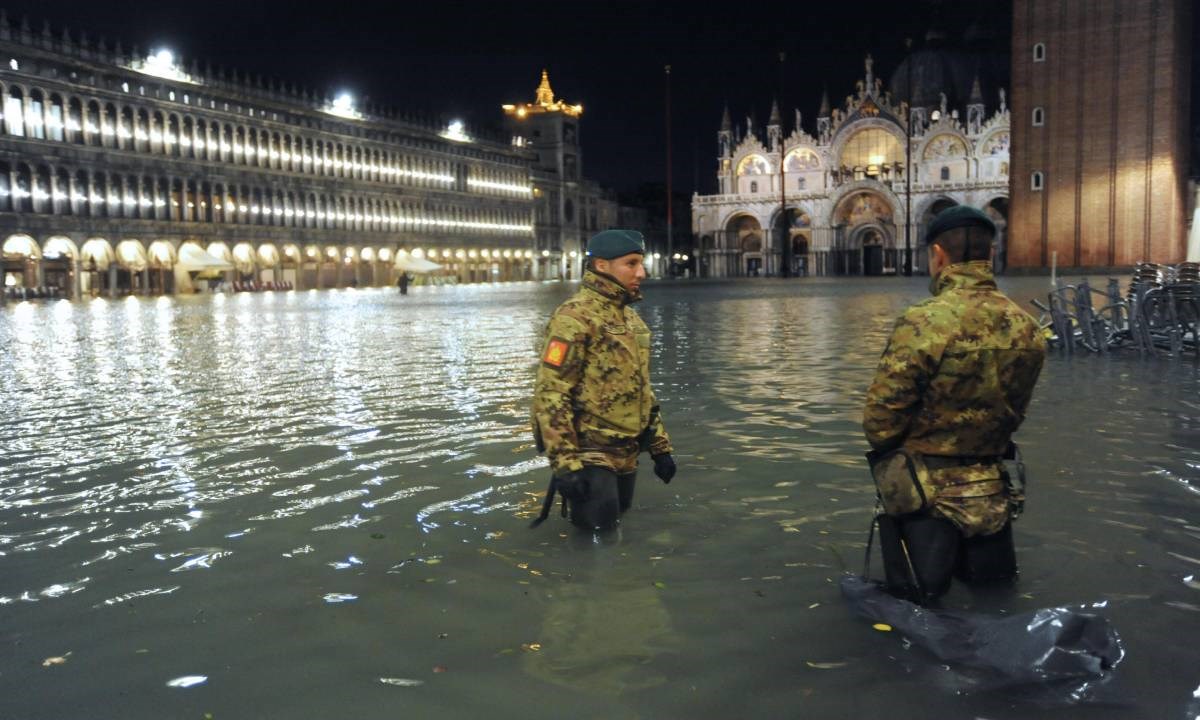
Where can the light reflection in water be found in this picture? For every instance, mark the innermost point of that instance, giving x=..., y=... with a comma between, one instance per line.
x=323, y=484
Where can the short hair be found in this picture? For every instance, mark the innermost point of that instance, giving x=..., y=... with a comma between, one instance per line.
x=964, y=244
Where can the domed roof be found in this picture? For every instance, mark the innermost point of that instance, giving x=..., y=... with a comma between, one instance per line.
x=938, y=69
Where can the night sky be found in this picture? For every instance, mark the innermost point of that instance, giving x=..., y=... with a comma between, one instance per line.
x=464, y=59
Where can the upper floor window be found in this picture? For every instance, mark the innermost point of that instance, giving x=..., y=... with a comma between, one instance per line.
x=1039, y=117
x=753, y=187
x=945, y=173
x=1036, y=181
x=1039, y=52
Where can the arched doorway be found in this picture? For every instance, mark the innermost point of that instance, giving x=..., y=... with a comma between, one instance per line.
x=745, y=236
x=795, y=229
x=865, y=235
x=21, y=256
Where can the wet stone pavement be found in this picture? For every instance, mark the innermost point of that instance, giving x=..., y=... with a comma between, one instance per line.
x=314, y=505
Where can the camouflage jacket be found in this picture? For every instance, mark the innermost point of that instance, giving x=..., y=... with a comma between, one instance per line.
x=955, y=380
x=592, y=396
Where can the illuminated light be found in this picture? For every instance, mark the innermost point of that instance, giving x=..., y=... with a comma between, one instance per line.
x=311, y=252
x=185, y=142
x=675, y=256
x=171, y=96
x=456, y=131
x=141, y=134
x=875, y=159
x=254, y=209
x=242, y=208
x=343, y=106
x=445, y=253
x=418, y=252
x=289, y=251
x=523, y=189
x=200, y=145
x=473, y=254
x=460, y=254
x=528, y=254
x=331, y=252
x=155, y=136
x=106, y=131
x=574, y=254
x=685, y=257
x=385, y=255
x=401, y=252
x=14, y=64
x=545, y=253
x=122, y=132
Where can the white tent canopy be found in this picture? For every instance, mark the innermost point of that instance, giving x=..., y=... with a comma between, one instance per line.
x=419, y=265
x=194, y=258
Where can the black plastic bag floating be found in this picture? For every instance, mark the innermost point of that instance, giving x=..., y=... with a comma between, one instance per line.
x=1063, y=655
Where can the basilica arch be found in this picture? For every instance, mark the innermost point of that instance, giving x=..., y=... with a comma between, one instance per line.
x=864, y=237
x=744, y=236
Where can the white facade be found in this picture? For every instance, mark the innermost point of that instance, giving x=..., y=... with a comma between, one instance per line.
x=846, y=190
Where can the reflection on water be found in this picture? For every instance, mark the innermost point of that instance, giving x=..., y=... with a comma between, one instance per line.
x=206, y=500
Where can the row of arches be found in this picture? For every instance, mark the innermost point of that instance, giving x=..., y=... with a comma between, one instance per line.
x=99, y=266
x=863, y=235
x=43, y=189
x=47, y=115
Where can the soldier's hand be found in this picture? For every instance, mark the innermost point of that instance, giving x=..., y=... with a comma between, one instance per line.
x=664, y=467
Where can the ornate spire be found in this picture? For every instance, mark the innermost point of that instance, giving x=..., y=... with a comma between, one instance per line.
x=824, y=111
x=775, y=118
x=726, y=124
x=545, y=96
x=976, y=93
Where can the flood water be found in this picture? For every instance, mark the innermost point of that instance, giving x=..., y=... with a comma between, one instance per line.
x=314, y=505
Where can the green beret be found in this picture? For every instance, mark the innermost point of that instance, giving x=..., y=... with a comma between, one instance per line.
x=616, y=243
x=957, y=217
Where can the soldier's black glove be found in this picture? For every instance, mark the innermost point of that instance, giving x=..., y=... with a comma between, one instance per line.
x=664, y=467
x=573, y=486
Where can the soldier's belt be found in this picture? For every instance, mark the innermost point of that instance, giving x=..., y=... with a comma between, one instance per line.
x=941, y=462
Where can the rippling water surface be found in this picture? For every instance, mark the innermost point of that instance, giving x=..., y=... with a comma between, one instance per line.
x=314, y=505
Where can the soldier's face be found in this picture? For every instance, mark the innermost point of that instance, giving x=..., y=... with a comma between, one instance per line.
x=627, y=269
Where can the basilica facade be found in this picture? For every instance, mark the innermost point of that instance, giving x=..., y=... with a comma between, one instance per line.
x=842, y=201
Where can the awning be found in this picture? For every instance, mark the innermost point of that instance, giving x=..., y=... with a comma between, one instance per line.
x=194, y=258
x=418, y=265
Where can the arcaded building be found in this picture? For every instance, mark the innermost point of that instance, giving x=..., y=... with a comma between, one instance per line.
x=1100, y=132
x=128, y=172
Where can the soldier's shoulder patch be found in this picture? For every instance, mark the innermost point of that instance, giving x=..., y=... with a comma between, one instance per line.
x=556, y=352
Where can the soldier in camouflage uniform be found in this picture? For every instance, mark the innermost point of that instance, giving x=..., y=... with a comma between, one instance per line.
x=593, y=408
x=952, y=387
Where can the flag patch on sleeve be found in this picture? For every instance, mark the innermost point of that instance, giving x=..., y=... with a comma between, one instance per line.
x=556, y=352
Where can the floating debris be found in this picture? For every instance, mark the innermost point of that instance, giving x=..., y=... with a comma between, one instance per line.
x=339, y=597
x=57, y=660
x=401, y=682
x=824, y=665
x=187, y=681
x=882, y=627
